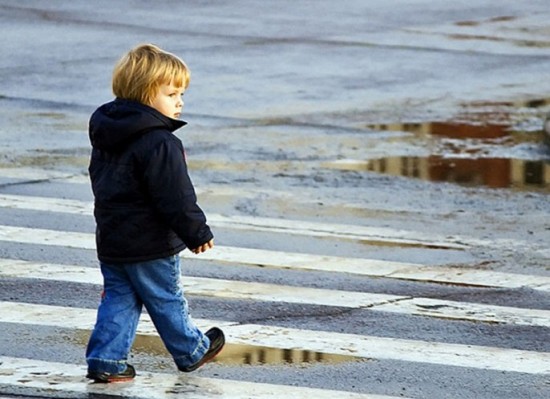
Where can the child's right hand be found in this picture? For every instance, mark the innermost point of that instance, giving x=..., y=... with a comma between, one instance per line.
x=203, y=247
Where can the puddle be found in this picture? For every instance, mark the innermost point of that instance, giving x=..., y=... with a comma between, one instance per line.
x=254, y=355
x=474, y=172
x=235, y=355
x=477, y=150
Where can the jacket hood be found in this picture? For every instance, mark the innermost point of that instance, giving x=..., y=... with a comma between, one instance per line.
x=115, y=124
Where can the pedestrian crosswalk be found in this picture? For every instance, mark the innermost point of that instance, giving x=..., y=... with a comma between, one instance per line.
x=289, y=294
x=362, y=346
x=311, y=229
x=30, y=376
x=52, y=379
x=285, y=260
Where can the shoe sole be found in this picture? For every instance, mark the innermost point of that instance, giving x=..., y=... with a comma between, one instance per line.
x=205, y=359
x=111, y=381
x=105, y=378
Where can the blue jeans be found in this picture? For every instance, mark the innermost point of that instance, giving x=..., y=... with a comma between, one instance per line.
x=127, y=288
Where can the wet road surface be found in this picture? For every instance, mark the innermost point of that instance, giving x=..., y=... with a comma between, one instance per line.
x=377, y=183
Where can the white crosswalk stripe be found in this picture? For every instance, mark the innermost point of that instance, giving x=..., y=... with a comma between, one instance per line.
x=287, y=260
x=310, y=229
x=314, y=296
x=39, y=377
x=60, y=378
x=378, y=234
x=364, y=346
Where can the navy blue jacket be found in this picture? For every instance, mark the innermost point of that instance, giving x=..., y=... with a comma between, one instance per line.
x=145, y=204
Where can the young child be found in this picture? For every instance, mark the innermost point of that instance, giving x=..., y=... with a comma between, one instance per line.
x=146, y=213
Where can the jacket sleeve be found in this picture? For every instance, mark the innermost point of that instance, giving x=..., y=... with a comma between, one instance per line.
x=172, y=194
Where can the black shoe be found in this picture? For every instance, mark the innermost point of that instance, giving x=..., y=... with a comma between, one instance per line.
x=217, y=341
x=126, y=375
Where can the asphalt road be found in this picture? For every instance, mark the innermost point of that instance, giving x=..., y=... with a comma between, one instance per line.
x=328, y=275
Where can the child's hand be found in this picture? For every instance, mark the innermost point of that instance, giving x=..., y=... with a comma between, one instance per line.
x=203, y=247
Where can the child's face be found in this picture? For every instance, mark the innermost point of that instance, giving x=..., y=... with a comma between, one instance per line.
x=168, y=100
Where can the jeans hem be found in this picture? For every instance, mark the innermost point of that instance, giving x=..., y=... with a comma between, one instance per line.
x=197, y=355
x=106, y=365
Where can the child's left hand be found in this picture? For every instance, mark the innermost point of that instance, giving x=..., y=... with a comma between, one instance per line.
x=203, y=247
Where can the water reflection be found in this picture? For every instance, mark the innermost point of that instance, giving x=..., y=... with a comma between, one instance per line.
x=478, y=128
x=488, y=172
x=234, y=354
x=461, y=156
x=255, y=355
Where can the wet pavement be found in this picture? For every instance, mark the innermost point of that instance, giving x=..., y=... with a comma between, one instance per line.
x=418, y=131
x=473, y=88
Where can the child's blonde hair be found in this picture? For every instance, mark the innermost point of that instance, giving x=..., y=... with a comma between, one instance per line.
x=139, y=74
